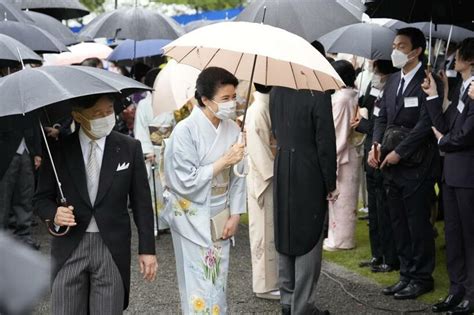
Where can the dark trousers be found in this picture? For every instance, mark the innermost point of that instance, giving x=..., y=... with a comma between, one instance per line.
x=382, y=244
x=410, y=210
x=16, y=194
x=459, y=229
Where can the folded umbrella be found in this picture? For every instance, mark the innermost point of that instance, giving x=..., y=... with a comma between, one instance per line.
x=129, y=50
x=174, y=86
x=54, y=27
x=59, y=9
x=370, y=41
x=13, y=52
x=132, y=23
x=32, y=36
x=309, y=19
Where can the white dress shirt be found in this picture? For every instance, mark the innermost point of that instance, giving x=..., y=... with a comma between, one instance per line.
x=409, y=76
x=85, y=148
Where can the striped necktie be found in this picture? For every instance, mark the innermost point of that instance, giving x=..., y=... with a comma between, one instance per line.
x=93, y=172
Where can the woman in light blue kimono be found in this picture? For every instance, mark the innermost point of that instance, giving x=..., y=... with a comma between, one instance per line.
x=200, y=184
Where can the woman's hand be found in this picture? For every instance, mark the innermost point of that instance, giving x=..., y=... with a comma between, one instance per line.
x=235, y=154
x=231, y=226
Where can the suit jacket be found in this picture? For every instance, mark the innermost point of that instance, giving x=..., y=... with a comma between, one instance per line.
x=12, y=130
x=458, y=140
x=418, y=120
x=305, y=167
x=366, y=126
x=110, y=209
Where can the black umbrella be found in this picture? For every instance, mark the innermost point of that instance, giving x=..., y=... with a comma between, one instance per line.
x=370, y=41
x=132, y=23
x=31, y=89
x=12, y=52
x=54, y=27
x=309, y=19
x=443, y=31
x=59, y=9
x=453, y=12
x=191, y=26
x=10, y=12
x=32, y=36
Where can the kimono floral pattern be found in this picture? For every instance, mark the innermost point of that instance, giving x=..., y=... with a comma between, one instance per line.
x=183, y=206
x=199, y=307
x=211, y=263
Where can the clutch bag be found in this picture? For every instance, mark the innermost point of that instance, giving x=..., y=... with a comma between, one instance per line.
x=218, y=223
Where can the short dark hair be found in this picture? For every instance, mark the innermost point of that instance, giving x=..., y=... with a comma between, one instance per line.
x=466, y=49
x=417, y=39
x=139, y=70
x=319, y=47
x=384, y=66
x=210, y=80
x=264, y=89
x=150, y=76
x=85, y=102
x=92, y=62
x=346, y=71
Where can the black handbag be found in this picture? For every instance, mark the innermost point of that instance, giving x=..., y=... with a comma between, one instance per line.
x=393, y=136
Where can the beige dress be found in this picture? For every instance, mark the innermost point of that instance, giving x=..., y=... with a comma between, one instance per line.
x=343, y=212
x=260, y=196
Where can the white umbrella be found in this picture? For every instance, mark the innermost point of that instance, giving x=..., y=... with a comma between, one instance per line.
x=174, y=86
x=80, y=52
x=282, y=58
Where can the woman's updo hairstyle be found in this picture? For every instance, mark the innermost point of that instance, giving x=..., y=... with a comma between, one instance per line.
x=210, y=80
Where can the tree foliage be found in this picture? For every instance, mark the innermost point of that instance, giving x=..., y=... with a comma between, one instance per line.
x=93, y=5
x=205, y=5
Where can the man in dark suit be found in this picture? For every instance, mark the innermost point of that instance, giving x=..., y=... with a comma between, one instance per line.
x=305, y=177
x=100, y=171
x=410, y=167
x=20, y=141
x=454, y=130
x=384, y=256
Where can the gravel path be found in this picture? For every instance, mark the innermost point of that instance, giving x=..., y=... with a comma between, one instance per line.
x=161, y=296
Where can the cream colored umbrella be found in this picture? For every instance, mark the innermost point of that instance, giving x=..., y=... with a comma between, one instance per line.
x=282, y=58
x=174, y=86
x=80, y=52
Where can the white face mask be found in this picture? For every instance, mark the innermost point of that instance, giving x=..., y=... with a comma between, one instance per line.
x=225, y=110
x=377, y=81
x=101, y=127
x=399, y=59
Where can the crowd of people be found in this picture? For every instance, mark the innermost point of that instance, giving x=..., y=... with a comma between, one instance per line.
x=295, y=168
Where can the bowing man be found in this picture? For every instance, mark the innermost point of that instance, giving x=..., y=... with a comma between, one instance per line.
x=101, y=170
x=454, y=130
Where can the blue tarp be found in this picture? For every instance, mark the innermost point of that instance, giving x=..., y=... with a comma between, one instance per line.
x=208, y=15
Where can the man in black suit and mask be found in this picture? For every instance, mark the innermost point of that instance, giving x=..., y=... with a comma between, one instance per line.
x=405, y=149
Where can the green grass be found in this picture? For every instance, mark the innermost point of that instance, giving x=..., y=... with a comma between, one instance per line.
x=350, y=259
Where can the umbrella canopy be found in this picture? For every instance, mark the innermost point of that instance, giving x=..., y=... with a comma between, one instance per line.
x=174, y=86
x=309, y=19
x=80, y=52
x=282, y=58
x=54, y=27
x=129, y=49
x=392, y=24
x=59, y=9
x=30, y=89
x=132, y=23
x=13, y=52
x=438, y=11
x=442, y=31
x=32, y=36
x=191, y=26
x=11, y=13
x=370, y=41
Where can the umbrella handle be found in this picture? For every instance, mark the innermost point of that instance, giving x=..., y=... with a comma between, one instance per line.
x=52, y=227
x=244, y=161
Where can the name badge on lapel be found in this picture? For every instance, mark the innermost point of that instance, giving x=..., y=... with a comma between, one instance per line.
x=374, y=92
x=451, y=73
x=376, y=111
x=460, y=106
x=411, y=102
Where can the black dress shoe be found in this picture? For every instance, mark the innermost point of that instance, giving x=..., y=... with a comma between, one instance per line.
x=285, y=309
x=391, y=290
x=463, y=308
x=449, y=303
x=412, y=291
x=370, y=263
x=384, y=268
